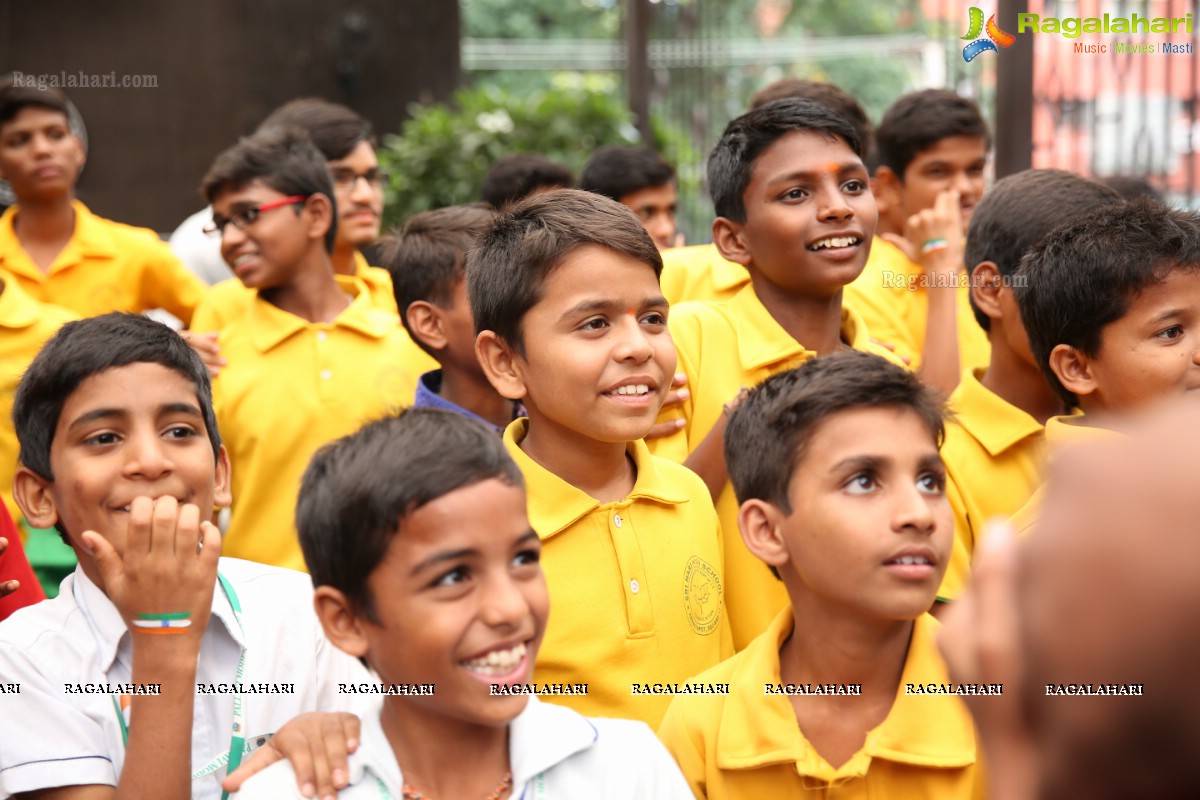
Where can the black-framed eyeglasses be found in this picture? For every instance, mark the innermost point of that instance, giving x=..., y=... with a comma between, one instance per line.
x=345, y=178
x=245, y=217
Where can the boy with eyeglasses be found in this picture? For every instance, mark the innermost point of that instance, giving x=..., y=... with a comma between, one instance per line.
x=54, y=247
x=345, y=139
x=310, y=357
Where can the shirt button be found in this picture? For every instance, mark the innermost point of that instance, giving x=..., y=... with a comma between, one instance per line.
x=633, y=586
x=326, y=374
x=322, y=336
x=618, y=522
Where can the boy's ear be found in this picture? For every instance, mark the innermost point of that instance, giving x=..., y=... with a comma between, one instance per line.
x=425, y=321
x=985, y=289
x=223, y=480
x=759, y=522
x=887, y=188
x=501, y=365
x=342, y=625
x=35, y=498
x=319, y=209
x=729, y=241
x=1073, y=369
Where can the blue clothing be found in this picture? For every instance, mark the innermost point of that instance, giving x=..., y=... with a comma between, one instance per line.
x=428, y=387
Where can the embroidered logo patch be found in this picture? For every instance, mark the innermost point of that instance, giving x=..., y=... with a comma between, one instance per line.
x=702, y=596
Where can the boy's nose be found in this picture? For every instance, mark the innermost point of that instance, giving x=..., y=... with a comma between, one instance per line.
x=504, y=603
x=914, y=511
x=634, y=342
x=146, y=457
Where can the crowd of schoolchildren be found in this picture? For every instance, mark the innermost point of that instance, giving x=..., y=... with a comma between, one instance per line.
x=587, y=513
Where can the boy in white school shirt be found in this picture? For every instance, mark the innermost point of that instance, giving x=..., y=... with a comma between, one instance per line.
x=159, y=665
x=415, y=532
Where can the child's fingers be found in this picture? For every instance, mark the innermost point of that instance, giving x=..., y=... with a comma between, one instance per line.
x=112, y=570
x=209, y=545
x=164, y=527
x=3, y=544
x=8, y=587
x=259, y=760
x=665, y=428
x=996, y=599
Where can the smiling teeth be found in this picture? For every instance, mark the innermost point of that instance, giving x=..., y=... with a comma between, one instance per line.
x=637, y=388
x=912, y=560
x=497, y=662
x=835, y=241
x=243, y=257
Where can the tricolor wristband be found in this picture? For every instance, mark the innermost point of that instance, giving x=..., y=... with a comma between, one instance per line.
x=933, y=245
x=178, y=622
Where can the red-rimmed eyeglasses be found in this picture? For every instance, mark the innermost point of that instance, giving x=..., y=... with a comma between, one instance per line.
x=245, y=217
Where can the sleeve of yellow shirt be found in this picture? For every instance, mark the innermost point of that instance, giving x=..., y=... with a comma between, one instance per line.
x=684, y=748
x=167, y=284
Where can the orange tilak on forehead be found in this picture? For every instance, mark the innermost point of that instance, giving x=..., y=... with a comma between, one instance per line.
x=833, y=167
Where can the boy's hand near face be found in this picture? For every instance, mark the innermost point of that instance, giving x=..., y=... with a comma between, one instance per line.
x=678, y=394
x=934, y=239
x=168, y=569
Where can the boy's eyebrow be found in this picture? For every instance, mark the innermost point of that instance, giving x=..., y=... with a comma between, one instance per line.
x=590, y=306
x=869, y=462
x=117, y=413
x=525, y=537
x=833, y=166
x=1170, y=313
x=932, y=461
x=444, y=555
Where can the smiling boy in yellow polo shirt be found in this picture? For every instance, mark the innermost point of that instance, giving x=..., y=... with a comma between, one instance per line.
x=308, y=361
x=794, y=210
x=58, y=250
x=995, y=450
x=346, y=140
x=842, y=489
x=1111, y=304
x=565, y=296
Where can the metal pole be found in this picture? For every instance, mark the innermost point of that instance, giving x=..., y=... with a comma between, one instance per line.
x=1014, y=96
x=637, y=64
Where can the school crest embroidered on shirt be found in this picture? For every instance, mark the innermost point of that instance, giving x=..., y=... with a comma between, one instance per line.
x=702, y=596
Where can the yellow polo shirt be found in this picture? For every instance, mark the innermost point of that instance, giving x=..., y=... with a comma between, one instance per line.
x=748, y=744
x=898, y=316
x=700, y=272
x=724, y=347
x=106, y=266
x=25, y=325
x=995, y=456
x=290, y=387
x=229, y=299
x=635, y=586
x=1061, y=432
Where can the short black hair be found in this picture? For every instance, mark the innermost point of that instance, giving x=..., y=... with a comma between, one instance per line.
x=357, y=491
x=515, y=177
x=618, y=172
x=731, y=163
x=829, y=95
x=285, y=159
x=1022, y=208
x=1082, y=276
x=1132, y=186
x=426, y=258
x=333, y=128
x=512, y=259
x=769, y=432
x=919, y=120
x=87, y=347
x=14, y=99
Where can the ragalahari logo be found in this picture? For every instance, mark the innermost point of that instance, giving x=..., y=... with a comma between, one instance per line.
x=995, y=36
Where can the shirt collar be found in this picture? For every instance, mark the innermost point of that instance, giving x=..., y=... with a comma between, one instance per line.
x=1073, y=428
x=428, y=386
x=923, y=730
x=110, y=629
x=762, y=341
x=544, y=735
x=90, y=239
x=555, y=504
x=273, y=325
x=17, y=309
x=993, y=421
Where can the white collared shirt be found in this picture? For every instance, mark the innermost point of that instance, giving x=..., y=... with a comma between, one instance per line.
x=555, y=752
x=53, y=735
